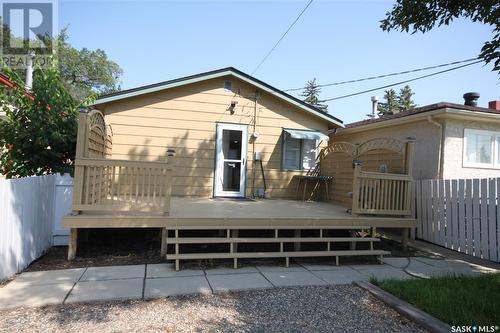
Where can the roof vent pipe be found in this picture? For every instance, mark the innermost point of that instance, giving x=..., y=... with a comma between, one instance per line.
x=471, y=98
x=374, y=106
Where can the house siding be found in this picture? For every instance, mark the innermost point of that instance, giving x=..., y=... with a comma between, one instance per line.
x=184, y=119
x=453, y=167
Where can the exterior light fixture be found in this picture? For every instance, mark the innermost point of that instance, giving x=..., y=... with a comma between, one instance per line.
x=232, y=106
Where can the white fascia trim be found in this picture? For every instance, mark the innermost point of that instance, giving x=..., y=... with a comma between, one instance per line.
x=420, y=116
x=161, y=87
x=213, y=76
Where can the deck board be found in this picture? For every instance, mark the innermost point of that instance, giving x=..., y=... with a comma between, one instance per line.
x=214, y=213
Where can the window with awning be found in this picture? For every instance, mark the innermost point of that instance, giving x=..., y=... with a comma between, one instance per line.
x=300, y=148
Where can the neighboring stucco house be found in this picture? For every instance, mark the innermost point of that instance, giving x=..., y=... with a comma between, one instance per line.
x=217, y=121
x=452, y=140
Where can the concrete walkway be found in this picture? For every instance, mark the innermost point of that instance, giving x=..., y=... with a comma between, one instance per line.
x=161, y=280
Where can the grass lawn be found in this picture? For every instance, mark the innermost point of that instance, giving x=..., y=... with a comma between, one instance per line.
x=456, y=300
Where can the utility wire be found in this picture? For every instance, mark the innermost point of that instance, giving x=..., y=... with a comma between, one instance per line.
x=283, y=36
x=387, y=75
x=400, y=82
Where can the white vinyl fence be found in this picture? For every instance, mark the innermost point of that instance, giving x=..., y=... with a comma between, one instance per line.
x=460, y=214
x=28, y=218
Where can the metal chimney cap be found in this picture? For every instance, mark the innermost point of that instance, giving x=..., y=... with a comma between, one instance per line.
x=471, y=98
x=374, y=98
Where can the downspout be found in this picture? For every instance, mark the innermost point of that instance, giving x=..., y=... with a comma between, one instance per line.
x=441, y=145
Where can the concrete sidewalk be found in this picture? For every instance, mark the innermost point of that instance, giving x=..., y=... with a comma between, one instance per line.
x=161, y=280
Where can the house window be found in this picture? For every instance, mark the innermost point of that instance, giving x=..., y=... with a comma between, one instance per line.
x=481, y=149
x=228, y=86
x=298, y=154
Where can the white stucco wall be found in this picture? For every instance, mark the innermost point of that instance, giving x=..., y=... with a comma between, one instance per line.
x=453, y=167
x=427, y=135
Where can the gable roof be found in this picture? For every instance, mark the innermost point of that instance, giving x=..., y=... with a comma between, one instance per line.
x=424, y=109
x=215, y=74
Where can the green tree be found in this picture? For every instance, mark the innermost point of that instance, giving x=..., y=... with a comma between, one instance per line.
x=423, y=15
x=391, y=104
x=84, y=72
x=311, y=95
x=405, y=100
x=395, y=103
x=39, y=134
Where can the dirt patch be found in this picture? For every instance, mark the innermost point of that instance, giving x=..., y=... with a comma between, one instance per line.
x=105, y=247
x=108, y=247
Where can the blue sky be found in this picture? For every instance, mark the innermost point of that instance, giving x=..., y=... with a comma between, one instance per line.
x=333, y=41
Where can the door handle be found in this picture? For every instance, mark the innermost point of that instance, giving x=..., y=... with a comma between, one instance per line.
x=232, y=165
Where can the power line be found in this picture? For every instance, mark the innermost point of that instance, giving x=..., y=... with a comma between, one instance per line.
x=401, y=82
x=283, y=36
x=387, y=75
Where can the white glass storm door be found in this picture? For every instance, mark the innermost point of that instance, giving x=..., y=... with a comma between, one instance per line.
x=230, y=159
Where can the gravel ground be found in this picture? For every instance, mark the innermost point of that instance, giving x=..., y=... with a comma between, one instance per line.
x=344, y=308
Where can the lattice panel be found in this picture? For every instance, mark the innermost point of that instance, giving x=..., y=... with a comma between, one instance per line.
x=377, y=155
x=339, y=166
x=99, y=136
x=340, y=147
x=382, y=160
x=390, y=144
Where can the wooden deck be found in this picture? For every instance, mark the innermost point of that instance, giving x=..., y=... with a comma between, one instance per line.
x=208, y=213
x=232, y=218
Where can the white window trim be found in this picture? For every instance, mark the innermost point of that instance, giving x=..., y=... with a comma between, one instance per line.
x=301, y=157
x=495, y=138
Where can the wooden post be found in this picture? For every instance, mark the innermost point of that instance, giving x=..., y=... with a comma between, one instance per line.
x=355, y=187
x=164, y=236
x=352, y=245
x=297, y=234
x=168, y=181
x=235, y=234
x=72, y=244
x=81, y=148
x=404, y=238
x=177, y=264
x=410, y=143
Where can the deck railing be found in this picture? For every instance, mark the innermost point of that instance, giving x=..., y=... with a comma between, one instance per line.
x=381, y=193
x=118, y=185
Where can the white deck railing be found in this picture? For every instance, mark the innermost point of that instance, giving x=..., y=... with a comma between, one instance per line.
x=381, y=193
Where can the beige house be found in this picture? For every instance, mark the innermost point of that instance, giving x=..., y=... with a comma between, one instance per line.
x=206, y=118
x=452, y=140
x=189, y=156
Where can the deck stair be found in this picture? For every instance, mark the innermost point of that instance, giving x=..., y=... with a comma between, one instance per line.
x=286, y=251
